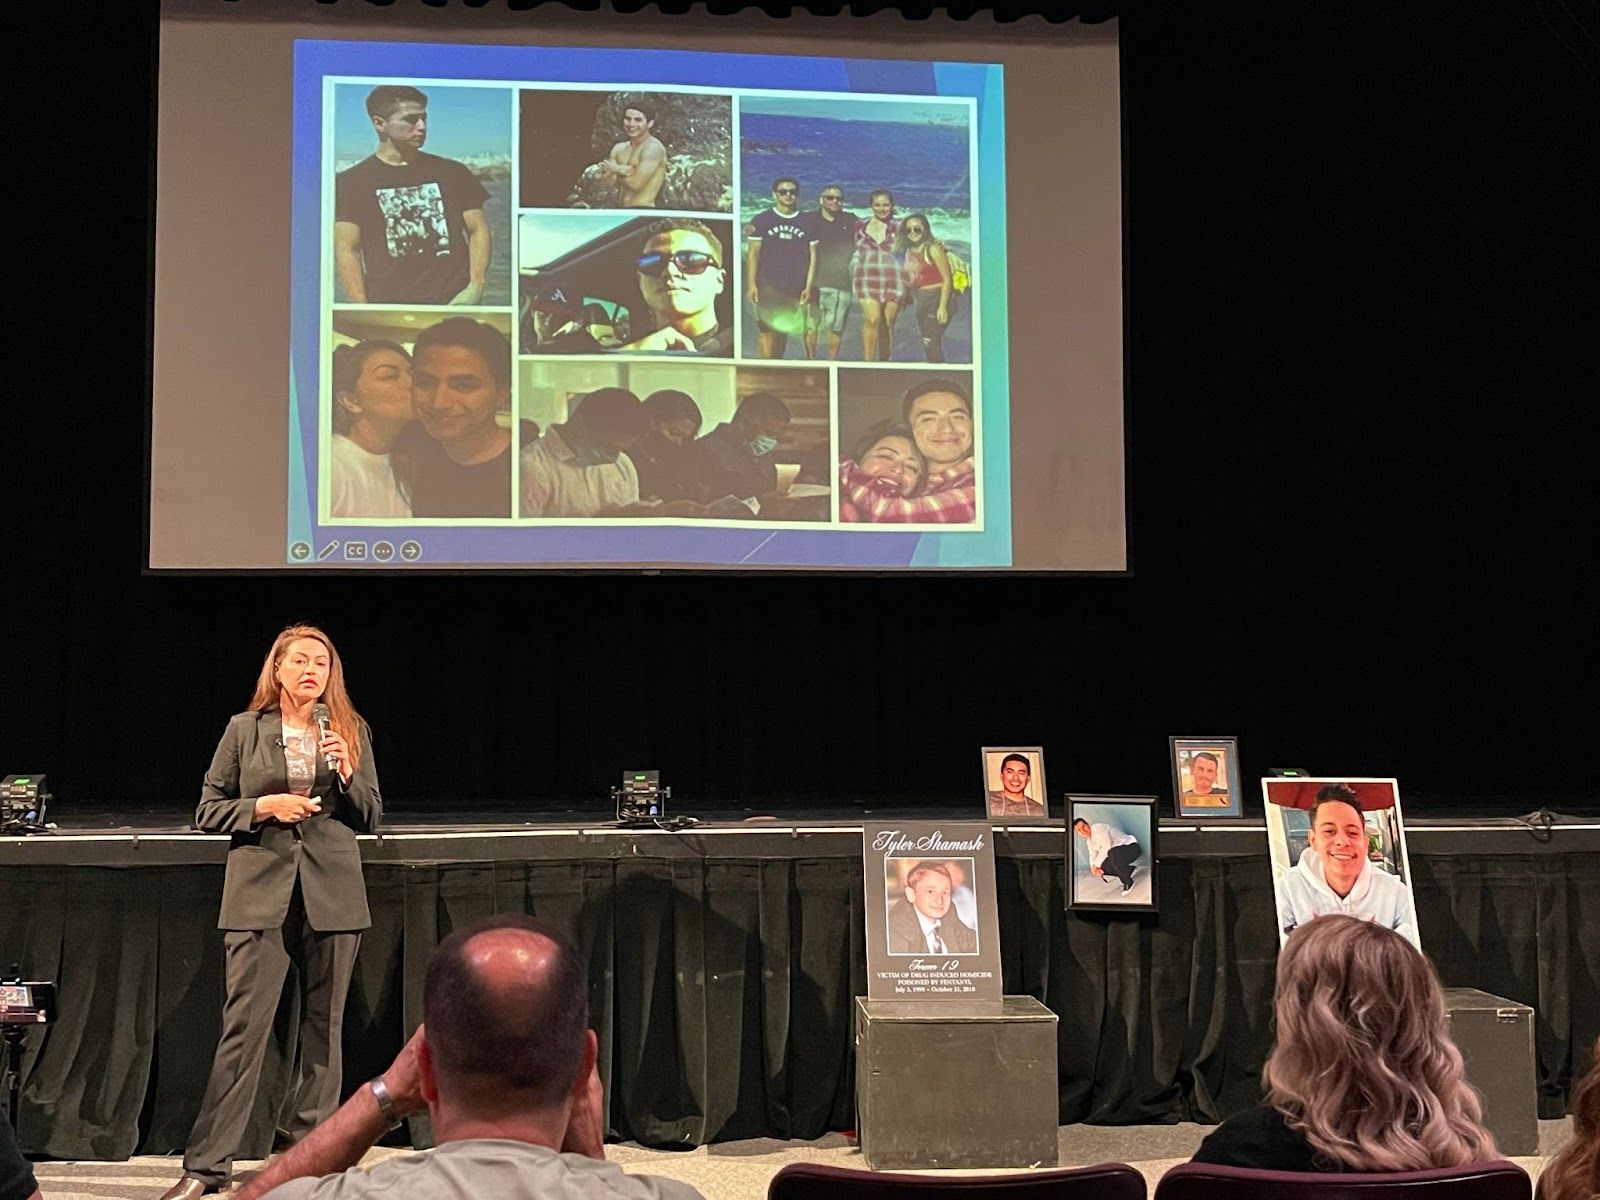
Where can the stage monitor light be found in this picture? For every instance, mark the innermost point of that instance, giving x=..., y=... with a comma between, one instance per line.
x=641, y=799
x=23, y=799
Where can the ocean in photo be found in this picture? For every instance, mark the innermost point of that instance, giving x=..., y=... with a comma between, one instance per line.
x=924, y=165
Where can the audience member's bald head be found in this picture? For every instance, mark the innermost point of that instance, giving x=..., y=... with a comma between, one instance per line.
x=506, y=1007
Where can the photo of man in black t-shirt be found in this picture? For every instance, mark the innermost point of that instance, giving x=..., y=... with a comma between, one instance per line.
x=408, y=226
x=777, y=261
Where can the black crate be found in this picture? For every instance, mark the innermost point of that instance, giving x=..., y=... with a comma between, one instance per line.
x=953, y=1084
x=1495, y=1037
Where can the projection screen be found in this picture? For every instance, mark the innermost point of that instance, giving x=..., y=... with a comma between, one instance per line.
x=451, y=290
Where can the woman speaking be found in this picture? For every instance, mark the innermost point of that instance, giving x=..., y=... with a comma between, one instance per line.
x=292, y=782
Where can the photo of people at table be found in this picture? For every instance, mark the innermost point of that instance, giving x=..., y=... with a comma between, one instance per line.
x=641, y=439
x=907, y=446
x=857, y=229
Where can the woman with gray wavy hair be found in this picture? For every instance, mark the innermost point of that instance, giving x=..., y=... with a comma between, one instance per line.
x=1364, y=1076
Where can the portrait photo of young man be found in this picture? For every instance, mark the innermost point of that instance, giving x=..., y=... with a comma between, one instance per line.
x=925, y=920
x=1337, y=846
x=1014, y=787
x=1111, y=849
x=409, y=225
x=1205, y=777
x=579, y=148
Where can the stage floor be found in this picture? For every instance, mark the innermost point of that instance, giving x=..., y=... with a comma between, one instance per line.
x=737, y=1170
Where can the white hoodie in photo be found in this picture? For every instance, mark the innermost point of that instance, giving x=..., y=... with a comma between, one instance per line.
x=1303, y=893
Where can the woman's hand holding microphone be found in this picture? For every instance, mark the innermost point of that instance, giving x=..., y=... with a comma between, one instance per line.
x=336, y=748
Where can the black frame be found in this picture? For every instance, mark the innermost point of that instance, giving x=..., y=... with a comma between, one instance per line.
x=1150, y=803
x=1232, y=815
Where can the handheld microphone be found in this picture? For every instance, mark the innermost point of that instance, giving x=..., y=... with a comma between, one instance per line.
x=319, y=714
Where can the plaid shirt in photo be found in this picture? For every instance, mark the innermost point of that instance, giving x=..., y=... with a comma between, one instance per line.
x=878, y=273
x=951, y=498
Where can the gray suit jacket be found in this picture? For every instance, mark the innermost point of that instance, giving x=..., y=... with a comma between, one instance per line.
x=266, y=859
x=905, y=932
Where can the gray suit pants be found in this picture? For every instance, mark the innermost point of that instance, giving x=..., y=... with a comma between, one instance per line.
x=257, y=962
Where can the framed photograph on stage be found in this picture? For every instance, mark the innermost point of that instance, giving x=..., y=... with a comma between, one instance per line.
x=1205, y=778
x=1338, y=846
x=933, y=930
x=1013, y=782
x=1111, y=853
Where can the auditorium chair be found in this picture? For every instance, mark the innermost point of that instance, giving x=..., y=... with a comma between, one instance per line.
x=1494, y=1180
x=812, y=1181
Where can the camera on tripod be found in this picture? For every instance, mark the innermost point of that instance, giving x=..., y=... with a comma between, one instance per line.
x=27, y=1003
x=23, y=1004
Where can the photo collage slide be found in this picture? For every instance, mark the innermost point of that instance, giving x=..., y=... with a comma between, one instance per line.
x=608, y=304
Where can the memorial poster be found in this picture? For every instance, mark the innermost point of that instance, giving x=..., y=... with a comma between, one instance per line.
x=933, y=932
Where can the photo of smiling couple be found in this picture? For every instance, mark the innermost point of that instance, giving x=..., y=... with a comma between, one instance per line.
x=908, y=448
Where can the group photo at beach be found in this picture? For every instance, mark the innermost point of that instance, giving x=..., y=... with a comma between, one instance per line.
x=857, y=219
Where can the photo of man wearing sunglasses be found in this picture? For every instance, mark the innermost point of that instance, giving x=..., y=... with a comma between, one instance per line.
x=677, y=271
x=680, y=277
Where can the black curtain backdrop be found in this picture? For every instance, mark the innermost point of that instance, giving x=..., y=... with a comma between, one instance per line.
x=1361, y=252
x=1361, y=277
x=722, y=989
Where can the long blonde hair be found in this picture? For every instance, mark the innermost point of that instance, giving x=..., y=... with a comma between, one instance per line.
x=1574, y=1173
x=342, y=714
x=1363, y=1065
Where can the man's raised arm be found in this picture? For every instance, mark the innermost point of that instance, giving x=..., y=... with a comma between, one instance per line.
x=340, y=1142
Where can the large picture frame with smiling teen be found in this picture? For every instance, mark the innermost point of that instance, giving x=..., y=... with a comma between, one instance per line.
x=1338, y=846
